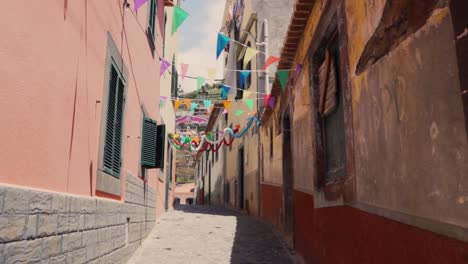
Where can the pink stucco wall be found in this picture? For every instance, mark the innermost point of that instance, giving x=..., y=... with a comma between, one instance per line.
x=52, y=56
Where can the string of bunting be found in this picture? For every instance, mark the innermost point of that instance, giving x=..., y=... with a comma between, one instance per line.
x=205, y=141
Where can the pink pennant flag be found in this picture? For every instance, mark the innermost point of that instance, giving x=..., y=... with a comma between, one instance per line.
x=184, y=69
x=225, y=111
x=164, y=65
x=266, y=99
x=272, y=102
x=138, y=3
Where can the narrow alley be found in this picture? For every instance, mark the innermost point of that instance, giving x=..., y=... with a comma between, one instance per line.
x=234, y=131
x=208, y=234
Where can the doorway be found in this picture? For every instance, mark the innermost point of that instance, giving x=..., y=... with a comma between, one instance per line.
x=240, y=167
x=288, y=180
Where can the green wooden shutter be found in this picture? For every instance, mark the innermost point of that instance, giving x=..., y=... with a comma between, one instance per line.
x=161, y=136
x=114, y=124
x=153, y=5
x=148, y=143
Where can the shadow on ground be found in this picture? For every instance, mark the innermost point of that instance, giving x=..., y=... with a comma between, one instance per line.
x=254, y=242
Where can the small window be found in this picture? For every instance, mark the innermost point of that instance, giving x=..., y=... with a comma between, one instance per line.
x=148, y=143
x=114, y=124
x=151, y=29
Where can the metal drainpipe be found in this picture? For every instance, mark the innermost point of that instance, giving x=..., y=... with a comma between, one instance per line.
x=259, y=149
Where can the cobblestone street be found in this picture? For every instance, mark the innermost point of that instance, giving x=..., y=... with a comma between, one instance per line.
x=202, y=234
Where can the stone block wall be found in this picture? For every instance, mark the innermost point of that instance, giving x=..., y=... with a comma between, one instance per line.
x=50, y=227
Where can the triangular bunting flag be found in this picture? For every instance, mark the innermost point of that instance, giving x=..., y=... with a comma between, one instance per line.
x=249, y=54
x=183, y=70
x=269, y=61
x=200, y=82
x=211, y=108
x=192, y=108
x=207, y=104
x=227, y=105
x=212, y=73
x=283, y=78
x=266, y=99
x=225, y=111
x=243, y=76
x=249, y=103
x=251, y=113
x=225, y=91
x=239, y=112
x=271, y=104
x=177, y=104
x=222, y=42
x=188, y=103
x=138, y=3
x=247, y=94
x=296, y=72
x=179, y=17
x=164, y=65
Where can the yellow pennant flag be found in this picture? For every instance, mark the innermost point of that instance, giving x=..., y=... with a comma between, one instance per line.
x=177, y=104
x=227, y=105
x=247, y=94
x=188, y=103
x=212, y=73
x=249, y=54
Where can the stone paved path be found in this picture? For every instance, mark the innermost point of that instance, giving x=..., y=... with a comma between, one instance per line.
x=202, y=234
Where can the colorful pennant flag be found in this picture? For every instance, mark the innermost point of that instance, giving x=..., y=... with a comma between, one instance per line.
x=283, y=78
x=225, y=111
x=207, y=104
x=269, y=61
x=239, y=112
x=163, y=66
x=296, y=72
x=249, y=54
x=223, y=40
x=177, y=104
x=271, y=102
x=227, y=105
x=243, y=77
x=266, y=99
x=225, y=91
x=251, y=113
x=247, y=94
x=138, y=3
x=249, y=103
x=188, y=103
x=183, y=70
x=200, y=82
x=192, y=108
x=179, y=17
x=212, y=73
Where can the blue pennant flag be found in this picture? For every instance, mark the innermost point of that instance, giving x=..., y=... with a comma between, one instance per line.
x=222, y=42
x=243, y=76
x=192, y=108
x=225, y=91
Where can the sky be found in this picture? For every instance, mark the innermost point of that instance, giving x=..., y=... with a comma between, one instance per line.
x=197, y=39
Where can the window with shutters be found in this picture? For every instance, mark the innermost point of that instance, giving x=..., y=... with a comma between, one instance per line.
x=330, y=108
x=112, y=158
x=161, y=142
x=148, y=143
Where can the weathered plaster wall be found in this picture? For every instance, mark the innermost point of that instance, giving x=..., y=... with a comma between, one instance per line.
x=408, y=115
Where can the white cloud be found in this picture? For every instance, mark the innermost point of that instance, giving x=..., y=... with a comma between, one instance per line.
x=202, y=56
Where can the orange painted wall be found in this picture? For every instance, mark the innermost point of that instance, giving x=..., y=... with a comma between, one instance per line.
x=52, y=57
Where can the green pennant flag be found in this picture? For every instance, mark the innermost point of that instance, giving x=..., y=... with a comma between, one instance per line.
x=249, y=103
x=179, y=17
x=239, y=112
x=200, y=82
x=283, y=76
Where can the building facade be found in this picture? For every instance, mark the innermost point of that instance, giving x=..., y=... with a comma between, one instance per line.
x=365, y=154
x=81, y=100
